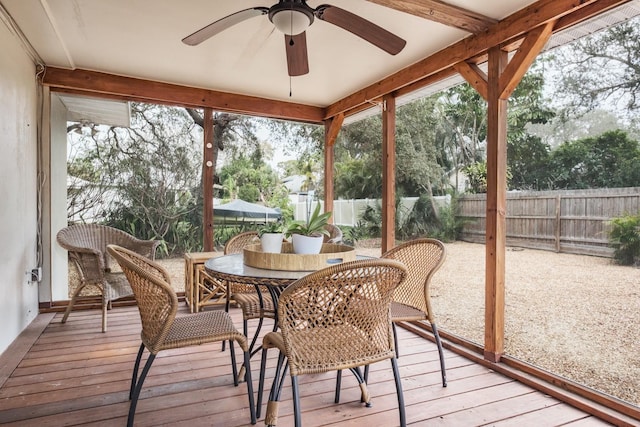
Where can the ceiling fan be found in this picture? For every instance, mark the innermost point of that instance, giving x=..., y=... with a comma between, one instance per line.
x=292, y=18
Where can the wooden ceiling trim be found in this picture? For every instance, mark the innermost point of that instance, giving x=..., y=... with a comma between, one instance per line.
x=92, y=83
x=441, y=12
x=523, y=58
x=433, y=78
x=510, y=28
x=475, y=77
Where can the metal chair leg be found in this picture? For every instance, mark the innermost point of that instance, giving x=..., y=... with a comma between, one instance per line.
x=138, y=388
x=440, y=353
x=249, y=381
x=136, y=366
x=296, y=401
x=396, y=376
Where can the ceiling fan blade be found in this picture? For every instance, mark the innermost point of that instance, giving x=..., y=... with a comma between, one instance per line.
x=362, y=28
x=222, y=24
x=297, y=58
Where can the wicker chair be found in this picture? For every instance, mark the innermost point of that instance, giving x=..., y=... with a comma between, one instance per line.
x=162, y=330
x=411, y=301
x=87, y=247
x=245, y=295
x=335, y=234
x=333, y=319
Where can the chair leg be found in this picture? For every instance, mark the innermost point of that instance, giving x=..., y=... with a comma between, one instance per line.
x=296, y=401
x=396, y=376
x=234, y=368
x=263, y=368
x=105, y=304
x=336, y=398
x=138, y=388
x=271, y=417
x=72, y=302
x=136, y=366
x=249, y=381
x=226, y=306
x=364, y=392
x=395, y=339
x=440, y=353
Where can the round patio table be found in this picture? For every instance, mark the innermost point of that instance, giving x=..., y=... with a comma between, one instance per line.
x=232, y=268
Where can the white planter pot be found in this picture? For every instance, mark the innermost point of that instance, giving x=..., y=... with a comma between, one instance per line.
x=307, y=244
x=271, y=242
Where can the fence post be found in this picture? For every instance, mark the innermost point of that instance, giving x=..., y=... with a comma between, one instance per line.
x=557, y=224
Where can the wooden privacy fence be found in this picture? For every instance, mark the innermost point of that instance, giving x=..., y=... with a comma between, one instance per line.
x=572, y=221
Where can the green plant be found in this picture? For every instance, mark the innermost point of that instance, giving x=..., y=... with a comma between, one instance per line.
x=625, y=239
x=313, y=225
x=272, y=227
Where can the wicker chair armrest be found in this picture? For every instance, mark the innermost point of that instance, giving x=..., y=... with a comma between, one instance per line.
x=145, y=248
x=90, y=263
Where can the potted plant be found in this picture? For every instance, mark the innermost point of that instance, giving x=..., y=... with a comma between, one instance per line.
x=271, y=235
x=307, y=236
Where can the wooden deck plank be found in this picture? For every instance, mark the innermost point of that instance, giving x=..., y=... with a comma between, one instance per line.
x=73, y=374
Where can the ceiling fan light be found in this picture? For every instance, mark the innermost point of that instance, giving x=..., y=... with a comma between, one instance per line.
x=291, y=22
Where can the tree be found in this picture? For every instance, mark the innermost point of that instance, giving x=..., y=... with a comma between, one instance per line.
x=249, y=179
x=600, y=69
x=527, y=155
x=154, y=168
x=608, y=161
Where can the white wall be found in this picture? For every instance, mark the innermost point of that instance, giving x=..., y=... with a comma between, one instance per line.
x=18, y=187
x=54, y=286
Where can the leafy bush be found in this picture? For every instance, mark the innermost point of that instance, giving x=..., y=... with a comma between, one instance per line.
x=624, y=238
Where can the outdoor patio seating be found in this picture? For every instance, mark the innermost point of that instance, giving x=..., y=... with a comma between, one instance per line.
x=333, y=319
x=245, y=295
x=87, y=247
x=162, y=330
x=411, y=300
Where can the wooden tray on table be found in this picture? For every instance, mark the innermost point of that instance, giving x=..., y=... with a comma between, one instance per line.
x=330, y=254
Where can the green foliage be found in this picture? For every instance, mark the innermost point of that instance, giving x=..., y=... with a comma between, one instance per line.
x=477, y=175
x=371, y=220
x=278, y=226
x=625, y=239
x=351, y=235
x=450, y=222
x=313, y=225
x=608, y=161
x=249, y=178
x=222, y=234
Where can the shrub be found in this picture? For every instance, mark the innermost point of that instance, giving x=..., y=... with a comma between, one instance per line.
x=624, y=238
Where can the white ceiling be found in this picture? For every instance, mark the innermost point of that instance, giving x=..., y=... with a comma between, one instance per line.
x=142, y=38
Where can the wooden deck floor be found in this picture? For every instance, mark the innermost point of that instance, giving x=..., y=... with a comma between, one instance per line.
x=75, y=375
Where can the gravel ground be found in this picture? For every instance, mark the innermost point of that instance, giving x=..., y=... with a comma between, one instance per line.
x=576, y=316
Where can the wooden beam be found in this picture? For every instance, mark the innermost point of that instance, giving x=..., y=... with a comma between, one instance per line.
x=92, y=83
x=441, y=12
x=525, y=55
x=495, y=237
x=510, y=28
x=330, y=127
x=428, y=80
x=388, y=173
x=474, y=76
x=331, y=132
x=208, y=169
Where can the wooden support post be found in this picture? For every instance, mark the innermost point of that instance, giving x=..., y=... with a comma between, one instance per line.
x=496, y=208
x=331, y=129
x=208, y=170
x=496, y=87
x=388, y=173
